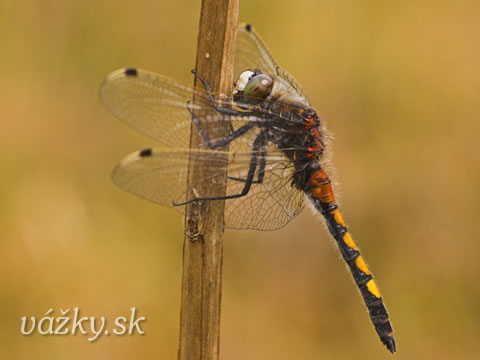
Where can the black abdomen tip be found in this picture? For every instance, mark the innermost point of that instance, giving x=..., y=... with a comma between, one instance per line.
x=131, y=72
x=145, y=153
x=390, y=344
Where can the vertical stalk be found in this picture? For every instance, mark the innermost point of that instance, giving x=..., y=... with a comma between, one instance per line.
x=204, y=224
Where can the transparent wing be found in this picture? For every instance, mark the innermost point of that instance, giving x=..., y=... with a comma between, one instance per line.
x=160, y=175
x=160, y=107
x=252, y=53
x=153, y=104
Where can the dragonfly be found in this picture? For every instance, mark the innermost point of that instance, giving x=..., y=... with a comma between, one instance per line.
x=275, y=160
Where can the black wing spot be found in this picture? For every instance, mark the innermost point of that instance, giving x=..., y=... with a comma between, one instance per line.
x=145, y=153
x=248, y=27
x=131, y=72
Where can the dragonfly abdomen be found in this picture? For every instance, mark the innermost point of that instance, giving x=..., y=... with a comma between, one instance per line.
x=319, y=190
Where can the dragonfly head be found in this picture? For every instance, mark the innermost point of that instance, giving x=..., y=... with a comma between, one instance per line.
x=252, y=86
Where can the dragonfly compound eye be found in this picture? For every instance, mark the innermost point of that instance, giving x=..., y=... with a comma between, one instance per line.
x=259, y=87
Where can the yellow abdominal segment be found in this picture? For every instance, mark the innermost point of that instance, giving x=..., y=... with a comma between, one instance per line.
x=361, y=265
x=372, y=287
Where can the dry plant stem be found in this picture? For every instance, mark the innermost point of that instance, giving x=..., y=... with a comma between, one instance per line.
x=204, y=224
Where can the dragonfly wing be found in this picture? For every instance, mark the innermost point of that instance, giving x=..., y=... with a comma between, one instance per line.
x=151, y=103
x=252, y=53
x=157, y=175
x=161, y=107
x=160, y=175
x=157, y=105
x=269, y=205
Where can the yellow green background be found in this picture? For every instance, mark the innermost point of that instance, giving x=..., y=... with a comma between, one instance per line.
x=398, y=85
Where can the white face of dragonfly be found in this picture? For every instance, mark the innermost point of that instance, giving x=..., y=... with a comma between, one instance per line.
x=243, y=80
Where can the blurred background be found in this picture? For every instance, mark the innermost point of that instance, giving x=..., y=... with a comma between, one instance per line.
x=398, y=84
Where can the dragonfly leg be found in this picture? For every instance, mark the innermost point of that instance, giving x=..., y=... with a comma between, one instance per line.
x=261, y=171
x=258, y=145
x=224, y=141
